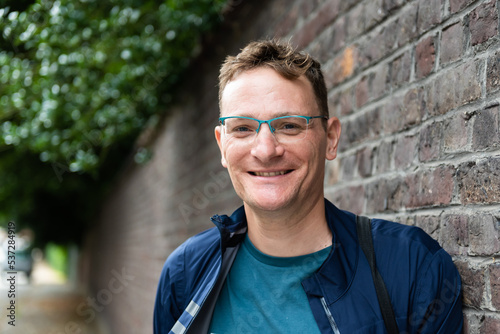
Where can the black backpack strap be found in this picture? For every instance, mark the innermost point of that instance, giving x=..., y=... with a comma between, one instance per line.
x=364, y=229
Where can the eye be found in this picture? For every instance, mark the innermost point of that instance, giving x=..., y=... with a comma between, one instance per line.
x=241, y=128
x=290, y=126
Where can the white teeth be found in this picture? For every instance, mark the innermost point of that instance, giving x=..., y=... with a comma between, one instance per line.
x=270, y=174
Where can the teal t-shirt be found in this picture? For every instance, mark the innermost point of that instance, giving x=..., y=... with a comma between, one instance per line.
x=263, y=294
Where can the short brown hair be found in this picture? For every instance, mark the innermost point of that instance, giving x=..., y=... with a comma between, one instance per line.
x=284, y=59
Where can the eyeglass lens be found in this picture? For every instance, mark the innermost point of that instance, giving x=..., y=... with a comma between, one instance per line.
x=286, y=129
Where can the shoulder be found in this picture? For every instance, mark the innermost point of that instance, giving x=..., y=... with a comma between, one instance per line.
x=409, y=247
x=191, y=251
x=410, y=260
x=182, y=265
x=392, y=234
x=178, y=277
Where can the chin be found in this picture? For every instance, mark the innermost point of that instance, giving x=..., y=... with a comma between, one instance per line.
x=268, y=203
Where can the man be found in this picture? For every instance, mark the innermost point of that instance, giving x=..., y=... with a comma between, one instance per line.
x=289, y=261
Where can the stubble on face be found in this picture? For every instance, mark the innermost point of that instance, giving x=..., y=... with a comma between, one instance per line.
x=267, y=175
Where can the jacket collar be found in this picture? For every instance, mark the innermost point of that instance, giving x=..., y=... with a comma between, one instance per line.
x=232, y=229
x=337, y=272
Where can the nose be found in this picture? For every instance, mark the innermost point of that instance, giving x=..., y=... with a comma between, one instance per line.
x=265, y=146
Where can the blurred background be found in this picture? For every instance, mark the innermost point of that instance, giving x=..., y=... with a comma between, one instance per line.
x=79, y=81
x=108, y=160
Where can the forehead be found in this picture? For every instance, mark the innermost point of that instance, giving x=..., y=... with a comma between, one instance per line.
x=264, y=92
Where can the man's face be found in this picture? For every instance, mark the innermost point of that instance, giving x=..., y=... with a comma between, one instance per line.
x=267, y=174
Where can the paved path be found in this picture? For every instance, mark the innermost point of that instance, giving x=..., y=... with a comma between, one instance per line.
x=46, y=305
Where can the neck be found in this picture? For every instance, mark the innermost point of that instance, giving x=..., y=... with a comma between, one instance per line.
x=289, y=233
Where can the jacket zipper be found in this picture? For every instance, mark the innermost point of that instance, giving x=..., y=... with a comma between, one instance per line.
x=329, y=315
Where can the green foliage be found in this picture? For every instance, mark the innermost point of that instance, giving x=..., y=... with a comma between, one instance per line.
x=78, y=81
x=57, y=257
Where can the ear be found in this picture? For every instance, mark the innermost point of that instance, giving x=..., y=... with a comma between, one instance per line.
x=218, y=135
x=333, y=131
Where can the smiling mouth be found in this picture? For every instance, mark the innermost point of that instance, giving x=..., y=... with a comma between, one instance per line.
x=268, y=174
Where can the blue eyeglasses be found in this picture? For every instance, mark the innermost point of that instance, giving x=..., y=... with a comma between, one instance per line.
x=284, y=128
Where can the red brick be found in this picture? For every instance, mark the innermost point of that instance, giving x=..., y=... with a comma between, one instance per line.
x=390, y=5
x=455, y=135
x=452, y=43
x=458, y=5
x=468, y=320
x=485, y=132
x=354, y=15
x=405, y=219
x=483, y=23
x=392, y=120
x=389, y=40
x=443, y=97
x=346, y=103
x=472, y=284
x=375, y=197
x=328, y=70
x=493, y=73
x=430, y=224
x=364, y=159
x=311, y=29
x=495, y=285
x=425, y=57
x=374, y=13
x=430, y=187
x=383, y=154
x=288, y=22
x=333, y=172
x=372, y=49
x=344, y=65
x=455, y=234
x=401, y=70
x=379, y=82
x=307, y=7
x=483, y=235
x=319, y=48
x=404, y=26
x=396, y=194
x=430, y=142
x=385, y=195
x=364, y=126
x=330, y=42
x=429, y=14
x=348, y=167
x=362, y=92
x=405, y=150
x=404, y=112
x=334, y=104
x=479, y=181
x=490, y=325
x=467, y=82
x=338, y=35
x=415, y=106
x=347, y=4
x=348, y=198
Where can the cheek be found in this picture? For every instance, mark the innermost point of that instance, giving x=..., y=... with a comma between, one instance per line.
x=233, y=155
x=314, y=151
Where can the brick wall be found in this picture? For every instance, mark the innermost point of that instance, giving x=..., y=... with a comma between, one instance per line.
x=416, y=85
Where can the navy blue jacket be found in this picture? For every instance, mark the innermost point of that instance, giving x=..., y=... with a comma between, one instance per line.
x=422, y=281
